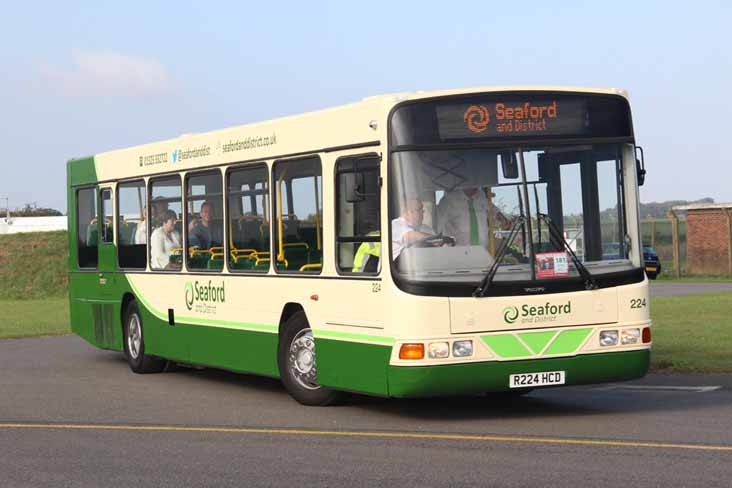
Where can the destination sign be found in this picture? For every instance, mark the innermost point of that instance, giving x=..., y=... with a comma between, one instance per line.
x=511, y=116
x=538, y=117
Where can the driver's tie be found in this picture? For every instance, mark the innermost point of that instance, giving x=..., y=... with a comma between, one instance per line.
x=474, y=240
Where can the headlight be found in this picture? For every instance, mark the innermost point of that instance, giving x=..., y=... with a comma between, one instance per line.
x=630, y=336
x=608, y=338
x=438, y=350
x=461, y=349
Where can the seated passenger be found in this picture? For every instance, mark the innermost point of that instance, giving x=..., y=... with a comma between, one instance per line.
x=163, y=241
x=408, y=228
x=200, y=230
x=141, y=231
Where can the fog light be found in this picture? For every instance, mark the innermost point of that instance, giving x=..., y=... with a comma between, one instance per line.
x=411, y=351
x=461, y=349
x=438, y=350
x=608, y=338
x=630, y=336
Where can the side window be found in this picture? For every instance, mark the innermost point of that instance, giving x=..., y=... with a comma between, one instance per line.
x=358, y=232
x=205, y=219
x=297, y=217
x=248, y=207
x=164, y=212
x=87, y=227
x=107, y=217
x=132, y=225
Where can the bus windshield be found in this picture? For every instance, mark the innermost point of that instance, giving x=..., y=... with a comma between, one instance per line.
x=552, y=212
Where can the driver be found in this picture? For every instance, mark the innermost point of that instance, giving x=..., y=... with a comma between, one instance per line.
x=408, y=228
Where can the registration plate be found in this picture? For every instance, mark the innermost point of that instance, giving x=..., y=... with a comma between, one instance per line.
x=529, y=380
x=651, y=269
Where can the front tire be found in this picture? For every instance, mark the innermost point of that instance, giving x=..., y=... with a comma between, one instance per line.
x=297, y=363
x=134, y=343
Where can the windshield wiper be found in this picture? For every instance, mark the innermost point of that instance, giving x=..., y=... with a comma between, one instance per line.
x=488, y=279
x=560, y=241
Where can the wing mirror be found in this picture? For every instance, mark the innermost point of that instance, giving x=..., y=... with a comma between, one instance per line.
x=640, y=165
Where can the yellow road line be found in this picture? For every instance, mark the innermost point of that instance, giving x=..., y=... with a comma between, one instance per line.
x=393, y=435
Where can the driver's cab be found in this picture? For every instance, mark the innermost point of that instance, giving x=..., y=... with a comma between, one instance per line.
x=465, y=214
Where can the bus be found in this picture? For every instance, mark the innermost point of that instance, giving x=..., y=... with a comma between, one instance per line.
x=420, y=244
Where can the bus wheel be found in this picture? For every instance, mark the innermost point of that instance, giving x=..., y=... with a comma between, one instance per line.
x=134, y=344
x=297, y=363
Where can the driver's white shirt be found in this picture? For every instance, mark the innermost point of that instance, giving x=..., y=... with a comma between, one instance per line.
x=399, y=227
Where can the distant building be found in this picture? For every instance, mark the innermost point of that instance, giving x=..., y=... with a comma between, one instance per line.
x=708, y=238
x=16, y=225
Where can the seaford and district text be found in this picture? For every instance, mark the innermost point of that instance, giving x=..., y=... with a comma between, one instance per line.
x=526, y=117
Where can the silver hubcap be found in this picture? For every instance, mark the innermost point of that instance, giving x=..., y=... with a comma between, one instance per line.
x=302, y=360
x=134, y=336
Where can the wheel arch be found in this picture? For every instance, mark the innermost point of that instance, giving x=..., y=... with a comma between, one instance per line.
x=126, y=299
x=290, y=309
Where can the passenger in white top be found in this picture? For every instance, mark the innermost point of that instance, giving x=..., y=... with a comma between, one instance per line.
x=141, y=230
x=454, y=217
x=409, y=228
x=162, y=242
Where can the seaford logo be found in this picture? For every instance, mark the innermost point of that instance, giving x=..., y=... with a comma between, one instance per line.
x=477, y=118
x=204, y=296
x=175, y=156
x=542, y=313
x=510, y=314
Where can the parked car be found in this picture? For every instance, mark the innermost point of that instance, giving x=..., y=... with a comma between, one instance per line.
x=651, y=262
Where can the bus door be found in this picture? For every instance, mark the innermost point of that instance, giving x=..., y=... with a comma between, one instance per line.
x=105, y=308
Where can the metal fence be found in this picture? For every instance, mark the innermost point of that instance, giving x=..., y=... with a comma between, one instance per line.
x=659, y=234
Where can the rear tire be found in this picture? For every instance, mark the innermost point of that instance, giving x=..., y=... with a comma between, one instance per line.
x=297, y=364
x=134, y=343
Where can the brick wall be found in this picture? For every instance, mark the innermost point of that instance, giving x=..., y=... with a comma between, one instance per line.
x=706, y=242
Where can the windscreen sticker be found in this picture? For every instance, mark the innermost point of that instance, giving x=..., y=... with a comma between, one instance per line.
x=551, y=264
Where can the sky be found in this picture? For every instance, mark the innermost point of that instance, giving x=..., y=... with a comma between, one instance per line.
x=86, y=77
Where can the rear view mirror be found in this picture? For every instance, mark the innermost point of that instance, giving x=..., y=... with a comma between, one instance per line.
x=354, y=189
x=640, y=165
x=509, y=166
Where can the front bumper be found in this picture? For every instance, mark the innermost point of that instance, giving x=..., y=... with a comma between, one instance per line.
x=492, y=376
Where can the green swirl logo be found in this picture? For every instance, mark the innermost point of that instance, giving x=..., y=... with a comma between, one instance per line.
x=510, y=314
x=189, y=295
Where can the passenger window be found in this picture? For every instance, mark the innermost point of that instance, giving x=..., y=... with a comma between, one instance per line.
x=131, y=225
x=164, y=213
x=87, y=227
x=204, y=220
x=358, y=238
x=107, y=217
x=248, y=207
x=297, y=219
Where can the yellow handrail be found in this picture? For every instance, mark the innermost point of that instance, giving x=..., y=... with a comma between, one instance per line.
x=281, y=253
x=317, y=211
x=297, y=244
x=306, y=267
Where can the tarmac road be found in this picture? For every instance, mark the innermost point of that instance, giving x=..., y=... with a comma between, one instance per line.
x=672, y=288
x=72, y=415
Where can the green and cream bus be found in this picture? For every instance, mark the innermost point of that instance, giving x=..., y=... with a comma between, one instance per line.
x=325, y=249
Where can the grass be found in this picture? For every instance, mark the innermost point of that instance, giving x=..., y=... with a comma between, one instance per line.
x=33, y=265
x=692, y=333
x=28, y=318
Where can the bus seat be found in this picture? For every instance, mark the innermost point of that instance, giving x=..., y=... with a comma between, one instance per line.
x=92, y=235
x=215, y=263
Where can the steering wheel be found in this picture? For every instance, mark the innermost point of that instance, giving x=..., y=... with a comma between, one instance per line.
x=434, y=240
